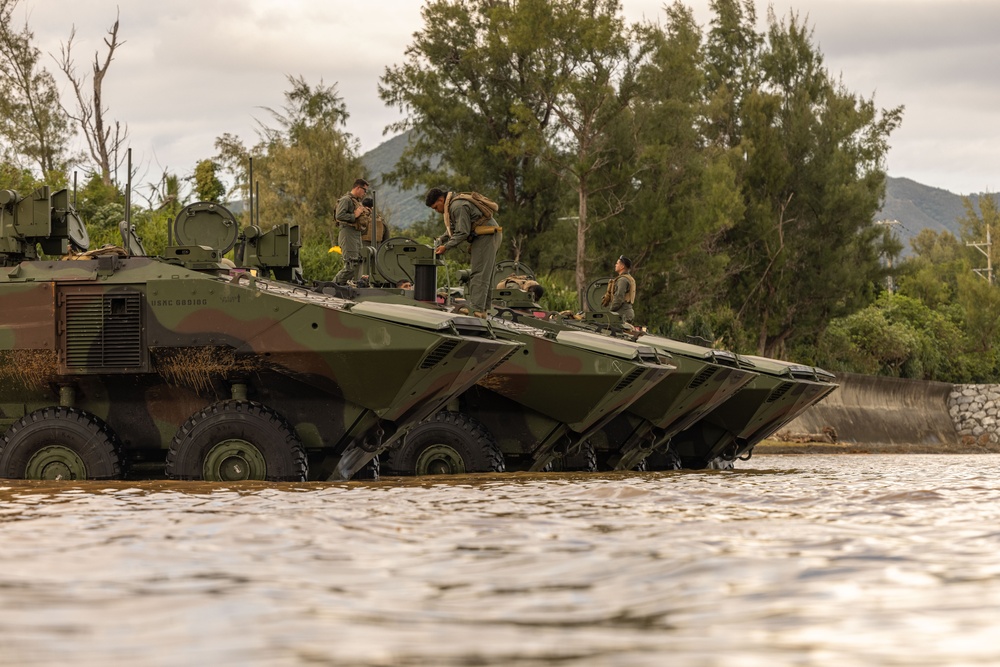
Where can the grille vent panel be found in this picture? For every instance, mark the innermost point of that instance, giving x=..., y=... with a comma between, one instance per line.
x=104, y=332
x=628, y=379
x=779, y=391
x=702, y=377
x=438, y=353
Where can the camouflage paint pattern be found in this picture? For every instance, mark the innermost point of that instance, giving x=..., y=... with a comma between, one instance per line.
x=144, y=344
x=558, y=390
x=778, y=394
x=704, y=378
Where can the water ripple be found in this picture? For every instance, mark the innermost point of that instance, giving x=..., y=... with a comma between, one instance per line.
x=810, y=560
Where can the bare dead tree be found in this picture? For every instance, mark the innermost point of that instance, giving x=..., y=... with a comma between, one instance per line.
x=104, y=139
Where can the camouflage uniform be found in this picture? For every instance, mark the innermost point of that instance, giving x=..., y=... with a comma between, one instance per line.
x=349, y=238
x=623, y=296
x=465, y=216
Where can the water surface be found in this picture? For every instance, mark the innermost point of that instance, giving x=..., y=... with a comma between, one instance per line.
x=788, y=560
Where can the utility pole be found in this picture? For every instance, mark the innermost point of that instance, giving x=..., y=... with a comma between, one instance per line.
x=888, y=259
x=988, y=271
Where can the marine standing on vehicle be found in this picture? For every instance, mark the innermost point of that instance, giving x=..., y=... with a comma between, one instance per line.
x=621, y=291
x=351, y=221
x=469, y=218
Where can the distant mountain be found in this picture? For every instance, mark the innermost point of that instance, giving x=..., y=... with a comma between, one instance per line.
x=917, y=207
x=914, y=205
x=405, y=206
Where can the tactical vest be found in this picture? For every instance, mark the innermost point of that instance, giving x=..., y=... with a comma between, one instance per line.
x=609, y=295
x=361, y=222
x=520, y=282
x=366, y=231
x=485, y=205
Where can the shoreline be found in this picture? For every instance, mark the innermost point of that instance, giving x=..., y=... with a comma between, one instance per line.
x=791, y=448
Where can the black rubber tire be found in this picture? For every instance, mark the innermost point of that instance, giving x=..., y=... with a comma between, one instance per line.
x=370, y=471
x=260, y=442
x=582, y=460
x=641, y=466
x=38, y=445
x=663, y=460
x=446, y=443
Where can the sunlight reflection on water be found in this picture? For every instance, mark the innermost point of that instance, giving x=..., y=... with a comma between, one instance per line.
x=804, y=560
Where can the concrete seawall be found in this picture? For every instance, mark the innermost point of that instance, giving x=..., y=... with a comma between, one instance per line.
x=880, y=410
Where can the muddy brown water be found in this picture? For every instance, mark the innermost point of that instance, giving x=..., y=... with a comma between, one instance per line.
x=788, y=560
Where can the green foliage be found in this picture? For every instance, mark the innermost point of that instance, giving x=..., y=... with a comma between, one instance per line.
x=318, y=263
x=686, y=195
x=559, y=296
x=932, y=274
x=710, y=325
x=902, y=337
x=18, y=179
x=95, y=195
x=301, y=165
x=34, y=128
x=207, y=185
x=806, y=248
x=739, y=175
x=975, y=225
x=472, y=87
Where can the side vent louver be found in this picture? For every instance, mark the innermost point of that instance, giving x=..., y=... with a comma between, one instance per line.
x=628, y=379
x=104, y=332
x=438, y=353
x=505, y=358
x=702, y=377
x=779, y=391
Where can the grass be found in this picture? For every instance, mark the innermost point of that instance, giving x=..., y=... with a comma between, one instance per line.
x=781, y=447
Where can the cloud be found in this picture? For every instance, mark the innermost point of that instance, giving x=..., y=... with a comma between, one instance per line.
x=191, y=70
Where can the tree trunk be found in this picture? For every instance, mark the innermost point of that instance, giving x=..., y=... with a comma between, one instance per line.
x=581, y=246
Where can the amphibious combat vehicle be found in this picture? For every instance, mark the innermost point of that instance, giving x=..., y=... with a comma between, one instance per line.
x=115, y=364
x=703, y=379
x=779, y=393
x=541, y=403
x=776, y=393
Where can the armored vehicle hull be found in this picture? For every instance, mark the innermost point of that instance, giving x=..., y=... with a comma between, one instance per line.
x=541, y=403
x=562, y=387
x=776, y=396
x=702, y=379
x=174, y=366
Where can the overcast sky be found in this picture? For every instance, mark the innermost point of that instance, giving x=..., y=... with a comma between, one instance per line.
x=191, y=70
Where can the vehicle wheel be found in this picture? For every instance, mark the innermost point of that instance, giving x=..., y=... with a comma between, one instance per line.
x=448, y=443
x=232, y=441
x=663, y=460
x=582, y=460
x=60, y=443
x=370, y=470
x=641, y=466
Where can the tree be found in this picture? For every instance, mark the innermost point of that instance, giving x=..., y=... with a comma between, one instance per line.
x=207, y=185
x=166, y=196
x=686, y=194
x=732, y=71
x=593, y=143
x=105, y=138
x=33, y=124
x=806, y=248
x=471, y=86
x=931, y=275
x=976, y=225
x=304, y=162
